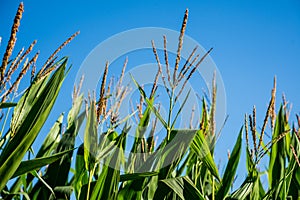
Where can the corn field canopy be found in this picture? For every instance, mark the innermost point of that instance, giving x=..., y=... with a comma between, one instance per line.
x=180, y=165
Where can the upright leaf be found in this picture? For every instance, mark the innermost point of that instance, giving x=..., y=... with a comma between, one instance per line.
x=51, y=139
x=90, y=138
x=57, y=173
x=200, y=147
x=31, y=122
x=278, y=155
x=108, y=181
x=231, y=168
x=81, y=175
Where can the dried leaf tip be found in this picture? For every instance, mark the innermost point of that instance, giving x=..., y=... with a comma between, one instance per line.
x=12, y=40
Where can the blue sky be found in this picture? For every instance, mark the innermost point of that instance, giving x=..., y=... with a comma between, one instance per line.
x=253, y=41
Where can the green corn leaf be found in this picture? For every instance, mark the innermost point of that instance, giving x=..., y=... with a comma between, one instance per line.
x=108, y=181
x=34, y=164
x=105, y=151
x=278, y=155
x=8, y=196
x=57, y=173
x=61, y=192
x=244, y=190
x=135, y=176
x=84, y=190
x=200, y=147
x=255, y=193
x=293, y=169
x=90, y=144
x=47, y=147
x=43, y=182
x=172, y=154
x=29, y=98
x=154, y=110
x=144, y=122
x=90, y=138
x=231, y=168
x=139, y=145
x=31, y=123
x=133, y=190
x=18, y=183
x=7, y=105
x=252, y=186
x=135, y=184
x=51, y=139
x=81, y=174
x=180, y=109
x=183, y=187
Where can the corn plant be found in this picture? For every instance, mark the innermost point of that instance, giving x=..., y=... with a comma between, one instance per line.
x=29, y=113
x=282, y=150
x=180, y=166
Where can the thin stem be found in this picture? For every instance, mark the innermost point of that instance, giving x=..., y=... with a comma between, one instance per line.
x=90, y=180
x=213, y=189
x=170, y=113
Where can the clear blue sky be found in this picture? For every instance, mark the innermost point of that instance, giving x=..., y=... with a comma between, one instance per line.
x=253, y=41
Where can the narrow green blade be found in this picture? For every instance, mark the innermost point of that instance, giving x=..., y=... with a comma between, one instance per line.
x=231, y=168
